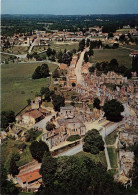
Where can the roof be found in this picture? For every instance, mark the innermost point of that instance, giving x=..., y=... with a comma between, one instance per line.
x=135, y=53
x=30, y=176
x=34, y=114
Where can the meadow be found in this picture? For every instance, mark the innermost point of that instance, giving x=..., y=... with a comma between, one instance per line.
x=122, y=56
x=17, y=85
x=57, y=46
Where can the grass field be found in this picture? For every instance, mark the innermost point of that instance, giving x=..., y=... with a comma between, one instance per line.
x=110, y=139
x=57, y=46
x=17, y=50
x=135, y=47
x=122, y=56
x=11, y=146
x=112, y=156
x=97, y=158
x=17, y=85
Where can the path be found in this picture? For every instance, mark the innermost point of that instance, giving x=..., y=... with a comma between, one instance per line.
x=16, y=55
x=79, y=66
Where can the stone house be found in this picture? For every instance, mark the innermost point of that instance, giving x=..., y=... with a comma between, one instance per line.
x=67, y=112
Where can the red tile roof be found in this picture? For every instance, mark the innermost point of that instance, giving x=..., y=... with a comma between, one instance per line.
x=30, y=176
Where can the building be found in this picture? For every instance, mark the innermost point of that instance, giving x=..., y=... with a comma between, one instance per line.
x=29, y=177
x=30, y=117
x=67, y=112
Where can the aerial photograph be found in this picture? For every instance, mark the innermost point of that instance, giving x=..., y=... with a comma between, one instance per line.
x=69, y=97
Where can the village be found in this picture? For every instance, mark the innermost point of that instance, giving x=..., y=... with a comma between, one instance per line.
x=78, y=116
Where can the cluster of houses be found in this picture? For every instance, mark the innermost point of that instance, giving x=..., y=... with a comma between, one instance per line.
x=127, y=138
x=44, y=38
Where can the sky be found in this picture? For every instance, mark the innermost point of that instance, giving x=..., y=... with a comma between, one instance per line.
x=69, y=7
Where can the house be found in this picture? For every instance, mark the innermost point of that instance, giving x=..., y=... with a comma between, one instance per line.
x=67, y=112
x=29, y=176
x=35, y=104
x=72, y=126
x=31, y=117
x=63, y=66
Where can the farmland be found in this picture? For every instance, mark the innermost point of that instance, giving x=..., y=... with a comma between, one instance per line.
x=122, y=56
x=17, y=85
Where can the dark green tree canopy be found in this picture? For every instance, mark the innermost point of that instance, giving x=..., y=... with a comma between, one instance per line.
x=41, y=72
x=93, y=142
x=6, y=118
x=113, y=110
x=58, y=101
x=38, y=149
x=96, y=103
x=50, y=126
x=76, y=175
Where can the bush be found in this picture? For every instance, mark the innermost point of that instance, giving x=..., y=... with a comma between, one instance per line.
x=73, y=138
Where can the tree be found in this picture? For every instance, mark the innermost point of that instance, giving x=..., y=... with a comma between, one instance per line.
x=59, y=57
x=86, y=58
x=49, y=52
x=7, y=187
x=13, y=170
x=76, y=175
x=113, y=110
x=66, y=58
x=73, y=84
x=29, y=101
x=31, y=135
x=90, y=52
x=128, y=73
x=113, y=65
x=91, y=69
x=96, y=103
x=58, y=101
x=41, y=72
x=135, y=64
x=50, y=126
x=81, y=45
x=6, y=118
x=37, y=73
x=93, y=142
x=87, y=42
x=56, y=74
x=46, y=93
x=44, y=71
x=38, y=149
x=48, y=170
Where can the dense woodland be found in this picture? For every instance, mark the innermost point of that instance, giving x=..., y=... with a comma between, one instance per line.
x=27, y=23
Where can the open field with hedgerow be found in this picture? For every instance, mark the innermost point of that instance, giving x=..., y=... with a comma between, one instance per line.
x=57, y=46
x=122, y=56
x=17, y=50
x=17, y=85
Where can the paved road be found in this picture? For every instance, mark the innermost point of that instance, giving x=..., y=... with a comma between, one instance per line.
x=78, y=68
x=72, y=151
x=42, y=123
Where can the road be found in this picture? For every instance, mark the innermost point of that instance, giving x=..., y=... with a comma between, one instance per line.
x=17, y=55
x=78, y=68
x=42, y=123
x=72, y=151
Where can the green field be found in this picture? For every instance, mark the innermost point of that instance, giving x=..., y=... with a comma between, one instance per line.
x=17, y=85
x=97, y=158
x=11, y=146
x=134, y=47
x=57, y=46
x=113, y=157
x=17, y=50
x=122, y=56
x=110, y=139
